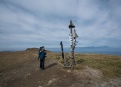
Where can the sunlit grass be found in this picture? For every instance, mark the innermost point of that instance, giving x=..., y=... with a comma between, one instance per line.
x=108, y=64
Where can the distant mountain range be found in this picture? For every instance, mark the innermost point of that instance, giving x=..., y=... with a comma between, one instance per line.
x=95, y=47
x=97, y=50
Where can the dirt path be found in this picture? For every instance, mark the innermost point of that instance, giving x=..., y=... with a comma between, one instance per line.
x=30, y=75
x=53, y=76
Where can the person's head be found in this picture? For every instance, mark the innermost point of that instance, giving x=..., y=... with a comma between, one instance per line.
x=43, y=48
x=40, y=49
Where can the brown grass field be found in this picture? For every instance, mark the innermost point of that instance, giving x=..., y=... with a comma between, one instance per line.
x=21, y=69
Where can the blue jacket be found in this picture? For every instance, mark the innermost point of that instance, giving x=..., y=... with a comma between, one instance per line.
x=42, y=55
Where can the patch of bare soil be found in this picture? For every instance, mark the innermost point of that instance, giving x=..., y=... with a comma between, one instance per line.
x=30, y=75
x=93, y=78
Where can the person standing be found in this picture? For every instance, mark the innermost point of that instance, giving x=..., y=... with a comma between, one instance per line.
x=40, y=49
x=42, y=55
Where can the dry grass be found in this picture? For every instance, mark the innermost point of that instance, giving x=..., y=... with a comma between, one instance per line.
x=11, y=60
x=108, y=64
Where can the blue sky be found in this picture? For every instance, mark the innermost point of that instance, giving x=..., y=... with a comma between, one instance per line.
x=34, y=23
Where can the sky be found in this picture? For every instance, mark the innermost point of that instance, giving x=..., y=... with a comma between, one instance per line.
x=34, y=23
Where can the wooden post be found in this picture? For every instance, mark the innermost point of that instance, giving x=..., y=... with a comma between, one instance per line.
x=72, y=48
x=72, y=41
x=62, y=49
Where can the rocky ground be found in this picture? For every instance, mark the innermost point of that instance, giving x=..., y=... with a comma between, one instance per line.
x=54, y=75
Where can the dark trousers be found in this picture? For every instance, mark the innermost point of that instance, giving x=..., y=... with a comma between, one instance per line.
x=42, y=61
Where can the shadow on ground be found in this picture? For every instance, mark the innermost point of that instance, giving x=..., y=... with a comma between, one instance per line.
x=51, y=65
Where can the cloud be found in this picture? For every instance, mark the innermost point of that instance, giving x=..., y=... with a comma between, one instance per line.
x=28, y=23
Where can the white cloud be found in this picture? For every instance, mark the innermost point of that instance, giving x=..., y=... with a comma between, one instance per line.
x=45, y=22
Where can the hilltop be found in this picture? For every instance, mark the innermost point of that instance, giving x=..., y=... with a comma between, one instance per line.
x=21, y=69
x=34, y=50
